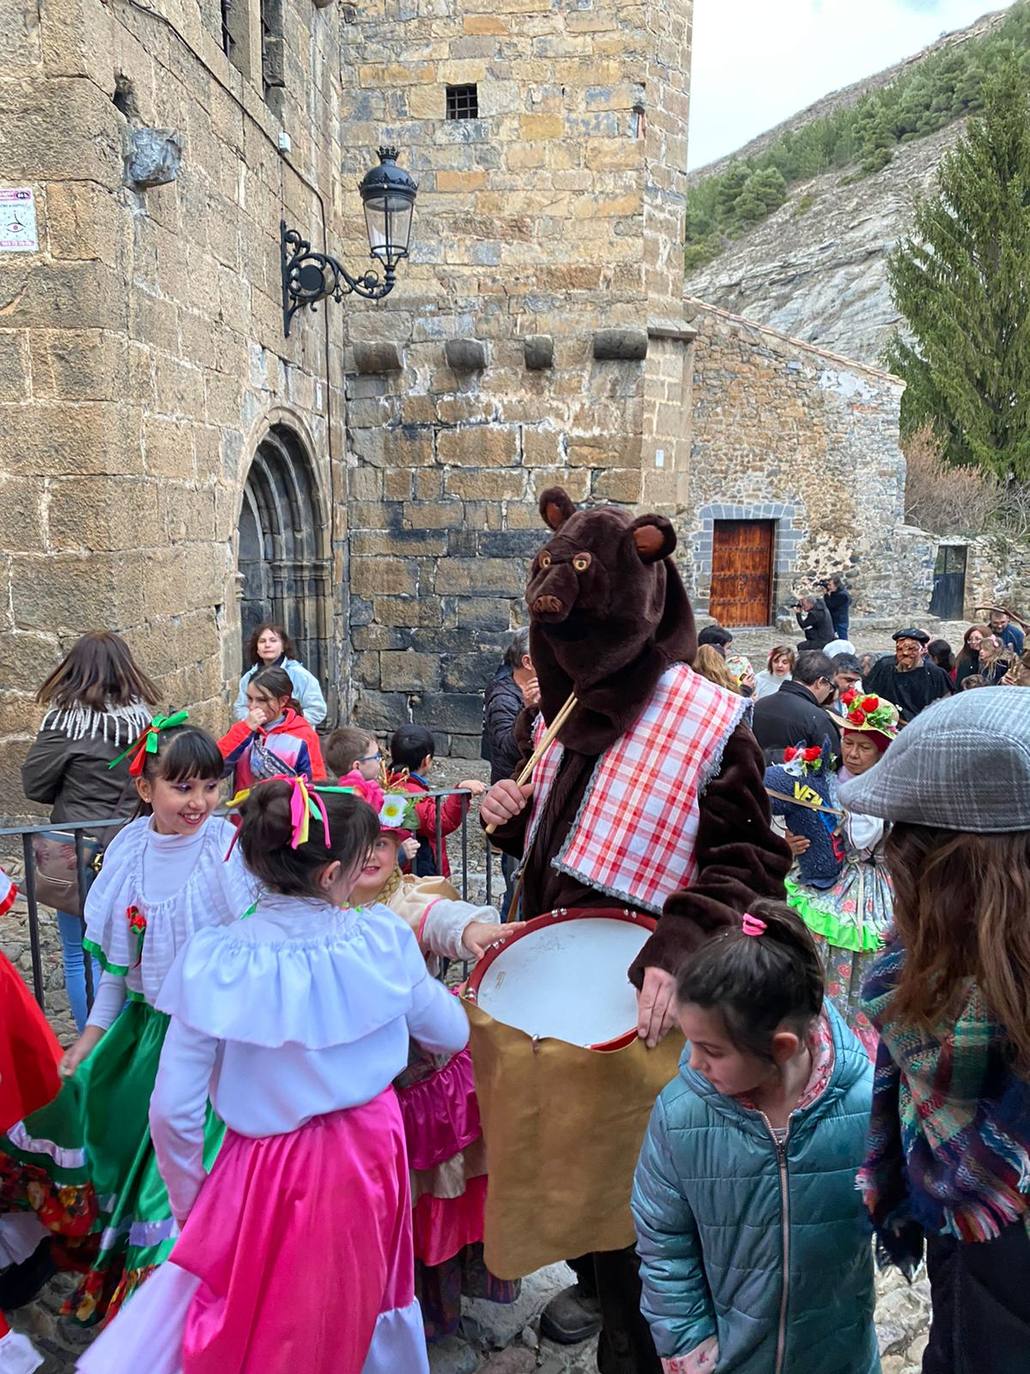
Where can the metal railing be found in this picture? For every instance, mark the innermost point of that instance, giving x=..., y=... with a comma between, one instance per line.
x=83, y=832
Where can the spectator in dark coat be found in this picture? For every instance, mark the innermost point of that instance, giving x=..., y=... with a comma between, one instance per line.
x=98, y=702
x=794, y=714
x=814, y=619
x=911, y=682
x=1010, y=635
x=513, y=686
x=838, y=602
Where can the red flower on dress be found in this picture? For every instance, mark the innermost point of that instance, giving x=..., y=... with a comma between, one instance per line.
x=812, y=753
x=138, y=926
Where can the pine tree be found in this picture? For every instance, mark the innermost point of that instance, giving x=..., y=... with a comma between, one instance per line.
x=962, y=282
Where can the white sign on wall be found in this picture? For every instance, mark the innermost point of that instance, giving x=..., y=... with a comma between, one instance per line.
x=18, y=220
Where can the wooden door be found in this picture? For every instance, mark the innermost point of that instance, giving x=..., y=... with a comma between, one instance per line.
x=742, y=565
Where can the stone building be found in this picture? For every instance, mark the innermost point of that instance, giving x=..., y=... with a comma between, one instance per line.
x=173, y=466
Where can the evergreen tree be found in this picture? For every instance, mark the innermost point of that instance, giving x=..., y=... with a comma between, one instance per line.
x=962, y=282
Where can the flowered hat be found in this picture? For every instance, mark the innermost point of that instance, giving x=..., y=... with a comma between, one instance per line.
x=398, y=817
x=867, y=712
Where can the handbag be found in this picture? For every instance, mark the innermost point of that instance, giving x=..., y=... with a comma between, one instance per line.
x=57, y=873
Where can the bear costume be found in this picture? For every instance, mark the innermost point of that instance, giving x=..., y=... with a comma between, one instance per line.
x=652, y=797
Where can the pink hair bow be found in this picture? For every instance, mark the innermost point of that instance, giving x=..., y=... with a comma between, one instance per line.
x=752, y=925
x=303, y=805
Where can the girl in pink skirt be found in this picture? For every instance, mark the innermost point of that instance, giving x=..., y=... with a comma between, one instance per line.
x=296, y=1254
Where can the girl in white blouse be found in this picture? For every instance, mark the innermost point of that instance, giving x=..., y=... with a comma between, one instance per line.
x=164, y=877
x=296, y=1253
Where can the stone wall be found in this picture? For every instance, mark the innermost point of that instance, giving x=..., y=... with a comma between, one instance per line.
x=142, y=354
x=529, y=345
x=783, y=431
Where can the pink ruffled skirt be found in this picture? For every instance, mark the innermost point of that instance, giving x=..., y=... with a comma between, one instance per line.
x=296, y=1259
x=445, y=1152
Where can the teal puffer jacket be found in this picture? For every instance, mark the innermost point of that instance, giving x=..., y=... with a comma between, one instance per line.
x=766, y=1249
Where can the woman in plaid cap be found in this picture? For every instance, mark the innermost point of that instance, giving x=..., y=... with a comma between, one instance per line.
x=948, y=1163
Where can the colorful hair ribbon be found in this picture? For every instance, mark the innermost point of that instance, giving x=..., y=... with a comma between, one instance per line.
x=304, y=803
x=752, y=925
x=148, y=742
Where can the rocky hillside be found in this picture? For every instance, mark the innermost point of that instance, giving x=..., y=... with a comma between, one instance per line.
x=816, y=267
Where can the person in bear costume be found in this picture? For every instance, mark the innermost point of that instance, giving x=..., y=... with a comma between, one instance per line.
x=651, y=798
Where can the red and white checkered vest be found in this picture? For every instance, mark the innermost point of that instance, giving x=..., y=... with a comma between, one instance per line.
x=635, y=834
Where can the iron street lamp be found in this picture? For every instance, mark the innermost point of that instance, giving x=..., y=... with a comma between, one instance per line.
x=388, y=194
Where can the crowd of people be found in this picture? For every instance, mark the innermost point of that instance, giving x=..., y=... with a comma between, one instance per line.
x=268, y=1033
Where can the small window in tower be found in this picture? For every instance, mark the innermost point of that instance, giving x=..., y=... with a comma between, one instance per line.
x=462, y=102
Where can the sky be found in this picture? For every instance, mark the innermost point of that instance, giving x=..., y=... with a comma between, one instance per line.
x=757, y=61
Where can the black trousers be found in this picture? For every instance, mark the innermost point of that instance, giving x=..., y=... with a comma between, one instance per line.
x=625, y=1345
x=981, y=1305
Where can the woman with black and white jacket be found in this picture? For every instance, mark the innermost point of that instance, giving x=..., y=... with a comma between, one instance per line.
x=98, y=702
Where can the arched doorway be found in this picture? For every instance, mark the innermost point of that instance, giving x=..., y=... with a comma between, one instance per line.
x=283, y=562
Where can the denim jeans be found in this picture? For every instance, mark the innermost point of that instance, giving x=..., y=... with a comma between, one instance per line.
x=70, y=929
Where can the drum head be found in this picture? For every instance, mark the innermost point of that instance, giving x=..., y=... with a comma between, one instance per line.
x=566, y=977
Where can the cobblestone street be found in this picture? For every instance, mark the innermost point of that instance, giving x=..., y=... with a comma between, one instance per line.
x=509, y=1342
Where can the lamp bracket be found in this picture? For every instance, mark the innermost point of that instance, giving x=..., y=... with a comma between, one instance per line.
x=309, y=277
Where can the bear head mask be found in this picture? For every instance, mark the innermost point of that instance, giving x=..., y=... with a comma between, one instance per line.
x=608, y=615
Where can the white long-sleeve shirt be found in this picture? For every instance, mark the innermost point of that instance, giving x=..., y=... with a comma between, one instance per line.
x=298, y=1011
x=179, y=883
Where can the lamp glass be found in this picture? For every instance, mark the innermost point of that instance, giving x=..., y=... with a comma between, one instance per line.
x=388, y=220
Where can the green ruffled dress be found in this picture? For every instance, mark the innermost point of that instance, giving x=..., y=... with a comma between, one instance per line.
x=85, y=1163
x=850, y=920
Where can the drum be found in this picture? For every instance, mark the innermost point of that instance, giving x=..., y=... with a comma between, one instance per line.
x=565, y=976
x=565, y=1086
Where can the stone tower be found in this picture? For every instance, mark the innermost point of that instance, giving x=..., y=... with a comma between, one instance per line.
x=538, y=336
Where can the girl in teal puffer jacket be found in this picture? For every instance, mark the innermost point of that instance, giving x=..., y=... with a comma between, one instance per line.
x=755, y=1253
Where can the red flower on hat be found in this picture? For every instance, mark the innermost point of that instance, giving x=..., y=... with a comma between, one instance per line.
x=869, y=704
x=857, y=716
x=812, y=753
x=850, y=696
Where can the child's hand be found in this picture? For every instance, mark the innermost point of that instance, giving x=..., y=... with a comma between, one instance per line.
x=478, y=936
x=255, y=717
x=409, y=848
x=797, y=844
x=80, y=1051
x=472, y=785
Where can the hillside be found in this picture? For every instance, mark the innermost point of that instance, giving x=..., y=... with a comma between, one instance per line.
x=815, y=266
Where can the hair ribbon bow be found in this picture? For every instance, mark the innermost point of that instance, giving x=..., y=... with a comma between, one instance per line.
x=148, y=742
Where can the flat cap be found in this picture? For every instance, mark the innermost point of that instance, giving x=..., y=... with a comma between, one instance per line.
x=963, y=764
x=912, y=633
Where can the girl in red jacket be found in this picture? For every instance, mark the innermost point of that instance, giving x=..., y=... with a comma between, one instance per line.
x=273, y=738
x=412, y=748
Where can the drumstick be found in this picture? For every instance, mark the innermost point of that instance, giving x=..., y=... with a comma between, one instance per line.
x=548, y=739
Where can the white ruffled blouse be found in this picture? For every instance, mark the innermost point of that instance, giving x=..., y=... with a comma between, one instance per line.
x=298, y=1011
x=178, y=884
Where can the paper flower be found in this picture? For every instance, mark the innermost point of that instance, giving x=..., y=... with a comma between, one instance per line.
x=393, y=812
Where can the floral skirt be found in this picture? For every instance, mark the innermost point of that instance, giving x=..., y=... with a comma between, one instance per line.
x=85, y=1164
x=448, y=1187
x=849, y=921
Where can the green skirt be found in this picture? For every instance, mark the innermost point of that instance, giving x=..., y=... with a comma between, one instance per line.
x=103, y=1167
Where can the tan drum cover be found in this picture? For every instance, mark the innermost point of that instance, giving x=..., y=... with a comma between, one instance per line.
x=563, y=1127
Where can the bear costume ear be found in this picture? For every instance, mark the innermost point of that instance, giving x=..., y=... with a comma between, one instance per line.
x=556, y=507
x=653, y=536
